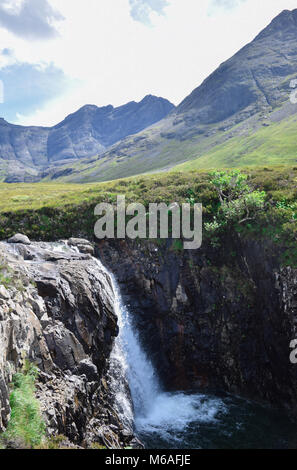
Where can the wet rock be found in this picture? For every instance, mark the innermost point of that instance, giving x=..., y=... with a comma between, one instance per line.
x=88, y=249
x=213, y=319
x=19, y=238
x=87, y=368
x=84, y=246
x=61, y=317
x=78, y=241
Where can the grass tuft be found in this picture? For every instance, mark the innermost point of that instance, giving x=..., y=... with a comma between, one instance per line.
x=26, y=428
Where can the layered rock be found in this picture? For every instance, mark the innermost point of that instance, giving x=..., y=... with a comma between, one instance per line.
x=57, y=311
x=213, y=318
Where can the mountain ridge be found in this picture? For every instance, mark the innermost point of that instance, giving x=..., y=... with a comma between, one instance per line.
x=249, y=91
x=245, y=93
x=27, y=150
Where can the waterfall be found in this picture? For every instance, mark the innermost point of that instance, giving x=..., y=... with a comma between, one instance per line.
x=134, y=387
x=163, y=420
x=153, y=411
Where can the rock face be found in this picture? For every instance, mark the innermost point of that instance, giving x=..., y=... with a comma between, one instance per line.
x=254, y=79
x=26, y=151
x=57, y=311
x=211, y=320
x=91, y=130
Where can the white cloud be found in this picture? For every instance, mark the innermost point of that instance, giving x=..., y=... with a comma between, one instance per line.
x=227, y=4
x=142, y=10
x=29, y=19
x=117, y=59
x=29, y=86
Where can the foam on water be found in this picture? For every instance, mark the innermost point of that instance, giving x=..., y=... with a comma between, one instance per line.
x=154, y=410
x=132, y=375
x=175, y=411
x=163, y=419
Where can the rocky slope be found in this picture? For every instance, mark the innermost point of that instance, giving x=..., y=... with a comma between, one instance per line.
x=213, y=318
x=57, y=311
x=249, y=91
x=27, y=151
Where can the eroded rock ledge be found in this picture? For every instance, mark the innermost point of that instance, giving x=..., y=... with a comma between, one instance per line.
x=57, y=311
x=213, y=318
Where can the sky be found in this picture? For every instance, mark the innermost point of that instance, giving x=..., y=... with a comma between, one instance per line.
x=58, y=55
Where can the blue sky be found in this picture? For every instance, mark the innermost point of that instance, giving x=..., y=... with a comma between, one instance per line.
x=57, y=55
x=27, y=86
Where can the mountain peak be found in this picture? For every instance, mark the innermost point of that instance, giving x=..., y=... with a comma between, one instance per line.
x=285, y=21
x=154, y=99
x=92, y=107
x=88, y=107
x=150, y=98
x=87, y=132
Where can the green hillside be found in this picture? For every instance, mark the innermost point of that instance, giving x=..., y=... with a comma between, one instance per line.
x=272, y=145
x=256, y=142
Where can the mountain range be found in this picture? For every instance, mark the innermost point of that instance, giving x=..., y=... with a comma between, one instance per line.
x=240, y=115
x=26, y=152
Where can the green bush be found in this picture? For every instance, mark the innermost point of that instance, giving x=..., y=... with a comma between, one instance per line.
x=54, y=211
x=5, y=273
x=26, y=426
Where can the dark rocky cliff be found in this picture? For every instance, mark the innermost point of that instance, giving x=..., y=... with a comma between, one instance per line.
x=213, y=318
x=58, y=313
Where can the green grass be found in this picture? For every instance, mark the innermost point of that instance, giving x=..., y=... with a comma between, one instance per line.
x=163, y=187
x=26, y=427
x=5, y=273
x=47, y=211
x=272, y=145
x=248, y=143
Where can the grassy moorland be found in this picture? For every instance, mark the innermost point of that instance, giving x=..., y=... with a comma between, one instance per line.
x=274, y=144
x=247, y=144
x=54, y=211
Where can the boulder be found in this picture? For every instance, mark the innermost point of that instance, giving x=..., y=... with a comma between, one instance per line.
x=87, y=368
x=19, y=238
x=86, y=249
x=78, y=241
x=83, y=246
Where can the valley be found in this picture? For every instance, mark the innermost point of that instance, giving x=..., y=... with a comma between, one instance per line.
x=138, y=343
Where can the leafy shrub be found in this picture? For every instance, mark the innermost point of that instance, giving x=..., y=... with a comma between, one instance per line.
x=239, y=202
x=5, y=273
x=26, y=426
x=230, y=185
x=244, y=208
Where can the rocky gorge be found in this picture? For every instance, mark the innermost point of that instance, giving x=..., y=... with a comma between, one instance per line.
x=209, y=320
x=213, y=318
x=57, y=312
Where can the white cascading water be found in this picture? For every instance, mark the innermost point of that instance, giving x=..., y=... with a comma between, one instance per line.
x=132, y=375
x=171, y=420
x=154, y=411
